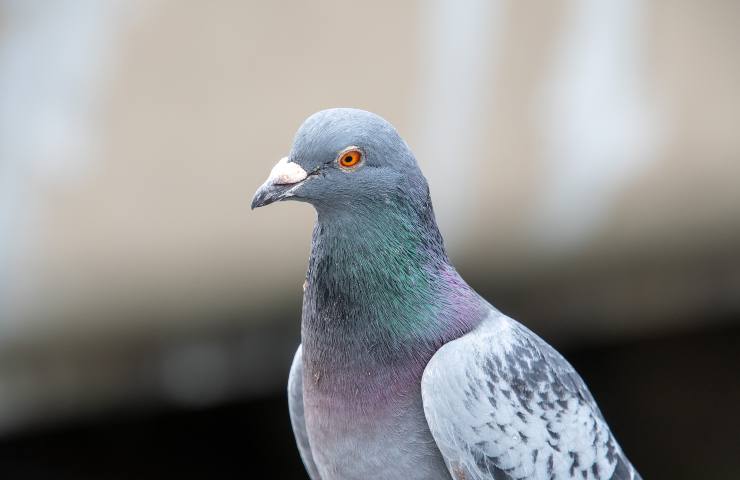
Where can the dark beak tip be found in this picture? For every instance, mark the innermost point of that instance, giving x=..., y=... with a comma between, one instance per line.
x=258, y=200
x=266, y=195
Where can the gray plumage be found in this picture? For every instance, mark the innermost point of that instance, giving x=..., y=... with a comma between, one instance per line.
x=404, y=371
x=501, y=403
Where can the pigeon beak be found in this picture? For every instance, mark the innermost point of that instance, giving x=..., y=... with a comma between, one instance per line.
x=283, y=178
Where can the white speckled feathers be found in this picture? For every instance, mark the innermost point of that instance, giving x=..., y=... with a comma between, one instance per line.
x=502, y=404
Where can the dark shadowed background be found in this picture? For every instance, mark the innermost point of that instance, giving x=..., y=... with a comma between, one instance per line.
x=584, y=161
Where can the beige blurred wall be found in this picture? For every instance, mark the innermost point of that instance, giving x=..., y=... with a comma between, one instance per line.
x=199, y=101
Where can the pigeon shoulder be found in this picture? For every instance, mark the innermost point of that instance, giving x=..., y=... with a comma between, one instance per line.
x=502, y=403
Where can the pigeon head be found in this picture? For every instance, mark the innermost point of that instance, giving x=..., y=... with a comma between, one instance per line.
x=378, y=274
x=345, y=160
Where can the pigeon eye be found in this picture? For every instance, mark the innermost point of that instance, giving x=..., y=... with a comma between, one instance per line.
x=350, y=158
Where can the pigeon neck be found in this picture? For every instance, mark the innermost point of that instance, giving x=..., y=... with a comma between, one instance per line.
x=380, y=289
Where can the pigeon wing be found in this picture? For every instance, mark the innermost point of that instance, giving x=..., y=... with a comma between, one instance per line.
x=502, y=404
x=295, y=406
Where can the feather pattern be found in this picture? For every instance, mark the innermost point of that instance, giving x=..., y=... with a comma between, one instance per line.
x=502, y=404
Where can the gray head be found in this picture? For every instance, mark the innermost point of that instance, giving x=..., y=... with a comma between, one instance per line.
x=347, y=160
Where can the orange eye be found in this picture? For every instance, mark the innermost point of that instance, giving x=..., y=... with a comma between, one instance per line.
x=350, y=158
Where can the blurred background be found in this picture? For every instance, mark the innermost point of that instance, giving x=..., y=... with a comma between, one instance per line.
x=583, y=157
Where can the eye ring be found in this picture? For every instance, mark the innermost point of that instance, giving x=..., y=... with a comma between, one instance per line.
x=350, y=157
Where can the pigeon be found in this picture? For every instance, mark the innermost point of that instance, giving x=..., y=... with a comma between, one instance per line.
x=404, y=371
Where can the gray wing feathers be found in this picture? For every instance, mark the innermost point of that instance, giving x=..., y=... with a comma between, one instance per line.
x=502, y=404
x=295, y=405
